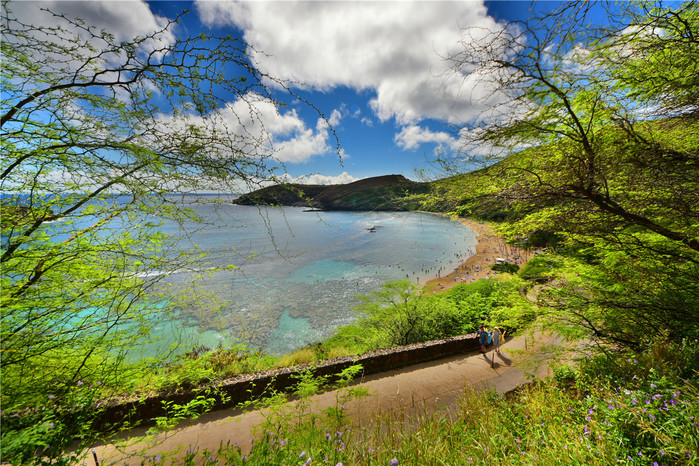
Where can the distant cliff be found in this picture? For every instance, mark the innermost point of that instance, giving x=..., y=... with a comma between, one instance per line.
x=388, y=192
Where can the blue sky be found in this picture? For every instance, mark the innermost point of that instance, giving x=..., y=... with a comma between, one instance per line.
x=374, y=68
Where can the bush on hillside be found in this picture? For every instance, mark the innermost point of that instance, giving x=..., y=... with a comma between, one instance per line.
x=506, y=267
x=540, y=268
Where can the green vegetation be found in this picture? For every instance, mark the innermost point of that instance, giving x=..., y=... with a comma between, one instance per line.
x=632, y=409
x=609, y=175
x=541, y=268
x=599, y=163
x=96, y=132
x=506, y=267
x=401, y=313
x=388, y=192
x=393, y=197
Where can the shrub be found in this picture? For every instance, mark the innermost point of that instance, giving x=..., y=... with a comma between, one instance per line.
x=541, y=267
x=506, y=267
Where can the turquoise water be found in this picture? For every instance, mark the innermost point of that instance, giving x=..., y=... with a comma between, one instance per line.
x=297, y=274
x=328, y=269
x=291, y=333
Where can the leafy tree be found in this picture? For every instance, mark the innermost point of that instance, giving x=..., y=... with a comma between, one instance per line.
x=506, y=267
x=596, y=139
x=95, y=133
x=401, y=313
x=395, y=310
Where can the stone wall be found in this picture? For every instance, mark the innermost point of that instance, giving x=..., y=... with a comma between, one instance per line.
x=234, y=391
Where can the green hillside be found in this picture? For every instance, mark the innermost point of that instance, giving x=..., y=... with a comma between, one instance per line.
x=389, y=192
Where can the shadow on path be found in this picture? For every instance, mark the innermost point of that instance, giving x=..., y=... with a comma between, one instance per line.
x=504, y=358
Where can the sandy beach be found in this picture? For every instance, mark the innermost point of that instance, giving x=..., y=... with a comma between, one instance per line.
x=489, y=248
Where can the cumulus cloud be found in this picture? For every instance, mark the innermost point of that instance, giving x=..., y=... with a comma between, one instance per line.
x=317, y=178
x=335, y=117
x=412, y=136
x=392, y=48
x=124, y=19
x=304, y=144
x=254, y=126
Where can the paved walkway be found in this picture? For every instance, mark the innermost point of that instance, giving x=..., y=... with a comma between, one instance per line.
x=428, y=386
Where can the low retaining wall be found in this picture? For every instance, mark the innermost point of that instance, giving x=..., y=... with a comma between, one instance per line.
x=232, y=392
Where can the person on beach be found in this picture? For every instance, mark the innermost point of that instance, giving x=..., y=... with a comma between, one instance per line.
x=497, y=334
x=482, y=336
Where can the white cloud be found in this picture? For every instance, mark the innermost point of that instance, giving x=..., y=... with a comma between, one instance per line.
x=316, y=178
x=393, y=48
x=410, y=137
x=302, y=146
x=335, y=117
x=124, y=19
x=254, y=126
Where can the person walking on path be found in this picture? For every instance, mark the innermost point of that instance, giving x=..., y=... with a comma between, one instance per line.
x=482, y=336
x=497, y=336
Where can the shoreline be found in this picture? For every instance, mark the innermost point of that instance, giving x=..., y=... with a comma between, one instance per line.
x=488, y=248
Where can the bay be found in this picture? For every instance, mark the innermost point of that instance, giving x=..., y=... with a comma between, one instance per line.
x=297, y=274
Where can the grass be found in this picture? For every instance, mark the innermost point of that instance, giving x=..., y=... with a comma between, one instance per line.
x=300, y=356
x=627, y=409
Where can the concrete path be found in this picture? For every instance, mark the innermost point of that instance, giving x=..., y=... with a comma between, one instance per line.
x=415, y=389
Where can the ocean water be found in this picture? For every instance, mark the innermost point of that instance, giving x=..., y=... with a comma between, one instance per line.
x=296, y=274
x=282, y=278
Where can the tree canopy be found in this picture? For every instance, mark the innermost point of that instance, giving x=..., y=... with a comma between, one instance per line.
x=595, y=140
x=95, y=133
